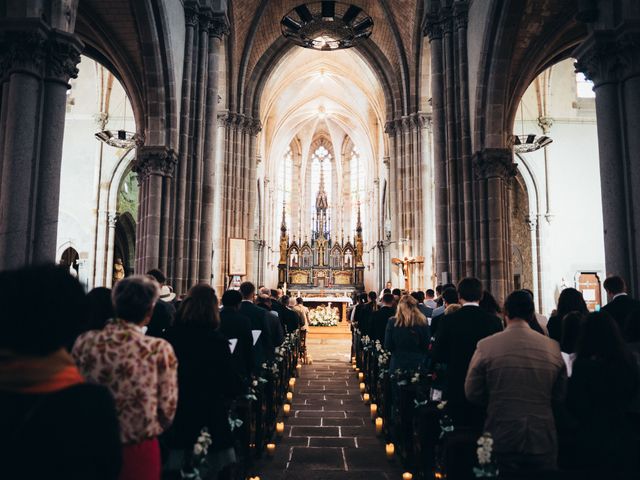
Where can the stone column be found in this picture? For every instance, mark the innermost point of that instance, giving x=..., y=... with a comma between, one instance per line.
x=35, y=66
x=611, y=59
x=218, y=27
x=180, y=182
x=494, y=169
x=434, y=32
x=152, y=164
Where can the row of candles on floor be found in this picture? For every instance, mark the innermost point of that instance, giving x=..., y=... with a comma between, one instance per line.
x=390, y=448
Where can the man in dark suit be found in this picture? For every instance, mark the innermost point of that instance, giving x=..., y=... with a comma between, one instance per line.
x=289, y=317
x=419, y=296
x=263, y=348
x=456, y=340
x=234, y=325
x=620, y=304
x=449, y=297
x=276, y=326
x=380, y=318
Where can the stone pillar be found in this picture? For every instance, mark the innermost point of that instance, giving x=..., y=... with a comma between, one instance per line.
x=611, y=59
x=494, y=170
x=218, y=27
x=153, y=164
x=180, y=182
x=434, y=32
x=36, y=63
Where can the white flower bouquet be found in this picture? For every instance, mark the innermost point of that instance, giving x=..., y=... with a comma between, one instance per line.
x=322, y=316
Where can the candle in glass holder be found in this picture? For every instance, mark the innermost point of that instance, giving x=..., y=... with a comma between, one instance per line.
x=353, y=359
x=390, y=449
x=292, y=383
x=361, y=376
x=366, y=398
x=355, y=367
x=299, y=367
x=289, y=397
x=362, y=387
x=286, y=409
x=407, y=476
x=279, y=428
x=374, y=410
x=271, y=449
x=379, y=423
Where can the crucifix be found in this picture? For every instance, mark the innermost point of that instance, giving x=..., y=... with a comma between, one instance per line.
x=405, y=268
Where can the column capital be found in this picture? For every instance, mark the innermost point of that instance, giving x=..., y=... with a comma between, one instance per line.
x=191, y=13
x=154, y=160
x=30, y=46
x=494, y=163
x=218, y=25
x=608, y=56
x=64, y=56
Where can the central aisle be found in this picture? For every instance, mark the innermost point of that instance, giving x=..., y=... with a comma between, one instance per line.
x=329, y=434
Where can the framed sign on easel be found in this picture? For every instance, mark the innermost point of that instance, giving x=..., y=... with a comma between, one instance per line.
x=237, y=261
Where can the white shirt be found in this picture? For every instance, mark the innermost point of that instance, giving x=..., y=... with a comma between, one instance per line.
x=618, y=295
x=471, y=304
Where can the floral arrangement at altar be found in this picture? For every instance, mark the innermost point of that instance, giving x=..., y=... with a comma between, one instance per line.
x=322, y=316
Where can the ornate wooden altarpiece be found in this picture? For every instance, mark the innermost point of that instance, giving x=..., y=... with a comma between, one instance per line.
x=321, y=263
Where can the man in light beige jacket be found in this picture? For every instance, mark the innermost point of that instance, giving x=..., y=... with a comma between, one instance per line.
x=518, y=375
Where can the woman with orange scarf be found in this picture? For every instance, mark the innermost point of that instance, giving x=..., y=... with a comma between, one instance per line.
x=52, y=423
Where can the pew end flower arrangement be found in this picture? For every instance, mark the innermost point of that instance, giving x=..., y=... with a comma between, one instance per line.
x=487, y=467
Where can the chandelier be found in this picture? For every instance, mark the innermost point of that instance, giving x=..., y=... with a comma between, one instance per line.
x=530, y=143
x=119, y=138
x=326, y=25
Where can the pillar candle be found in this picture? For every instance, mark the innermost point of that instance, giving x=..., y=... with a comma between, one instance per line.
x=407, y=476
x=289, y=397
x=390, y=450
x=379, y=423
x=361, y=376
x=362, y=386
x=279, y=428
x=271, y=449
x=365, y=397
x=286, y=409
x=374, y=410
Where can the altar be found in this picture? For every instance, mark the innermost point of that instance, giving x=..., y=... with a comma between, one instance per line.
x=341, y=303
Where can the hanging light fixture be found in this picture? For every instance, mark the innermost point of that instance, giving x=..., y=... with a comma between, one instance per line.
x=530, y=142
x=326, y=25
x=119, y=138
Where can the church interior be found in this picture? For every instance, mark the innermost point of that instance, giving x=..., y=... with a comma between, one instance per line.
x=324, y=150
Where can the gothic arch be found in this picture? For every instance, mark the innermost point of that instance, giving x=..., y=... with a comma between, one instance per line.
x=149, y=79
x=515, y=51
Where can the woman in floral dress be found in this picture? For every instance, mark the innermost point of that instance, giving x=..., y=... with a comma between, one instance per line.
x=140, y=372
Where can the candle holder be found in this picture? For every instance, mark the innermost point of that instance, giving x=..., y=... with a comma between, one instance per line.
x=286, y=409
x=366, y=398
x=289, y=397
x=407, y=476
x=292, y=383
x=374, y=411
x=379, y=424
x=361, y=377
x=390, y=450
x=362, y=387
x=280, y=429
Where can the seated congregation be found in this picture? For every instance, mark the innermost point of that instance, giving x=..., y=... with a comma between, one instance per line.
x=467, y=389
x=136, y=384
x=130, y=384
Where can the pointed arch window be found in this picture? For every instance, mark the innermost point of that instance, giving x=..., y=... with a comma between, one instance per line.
x=358, y=175
x=321, y=156
x=286, y=187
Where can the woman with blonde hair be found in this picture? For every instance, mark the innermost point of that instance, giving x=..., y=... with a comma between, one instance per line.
x=407, y=336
